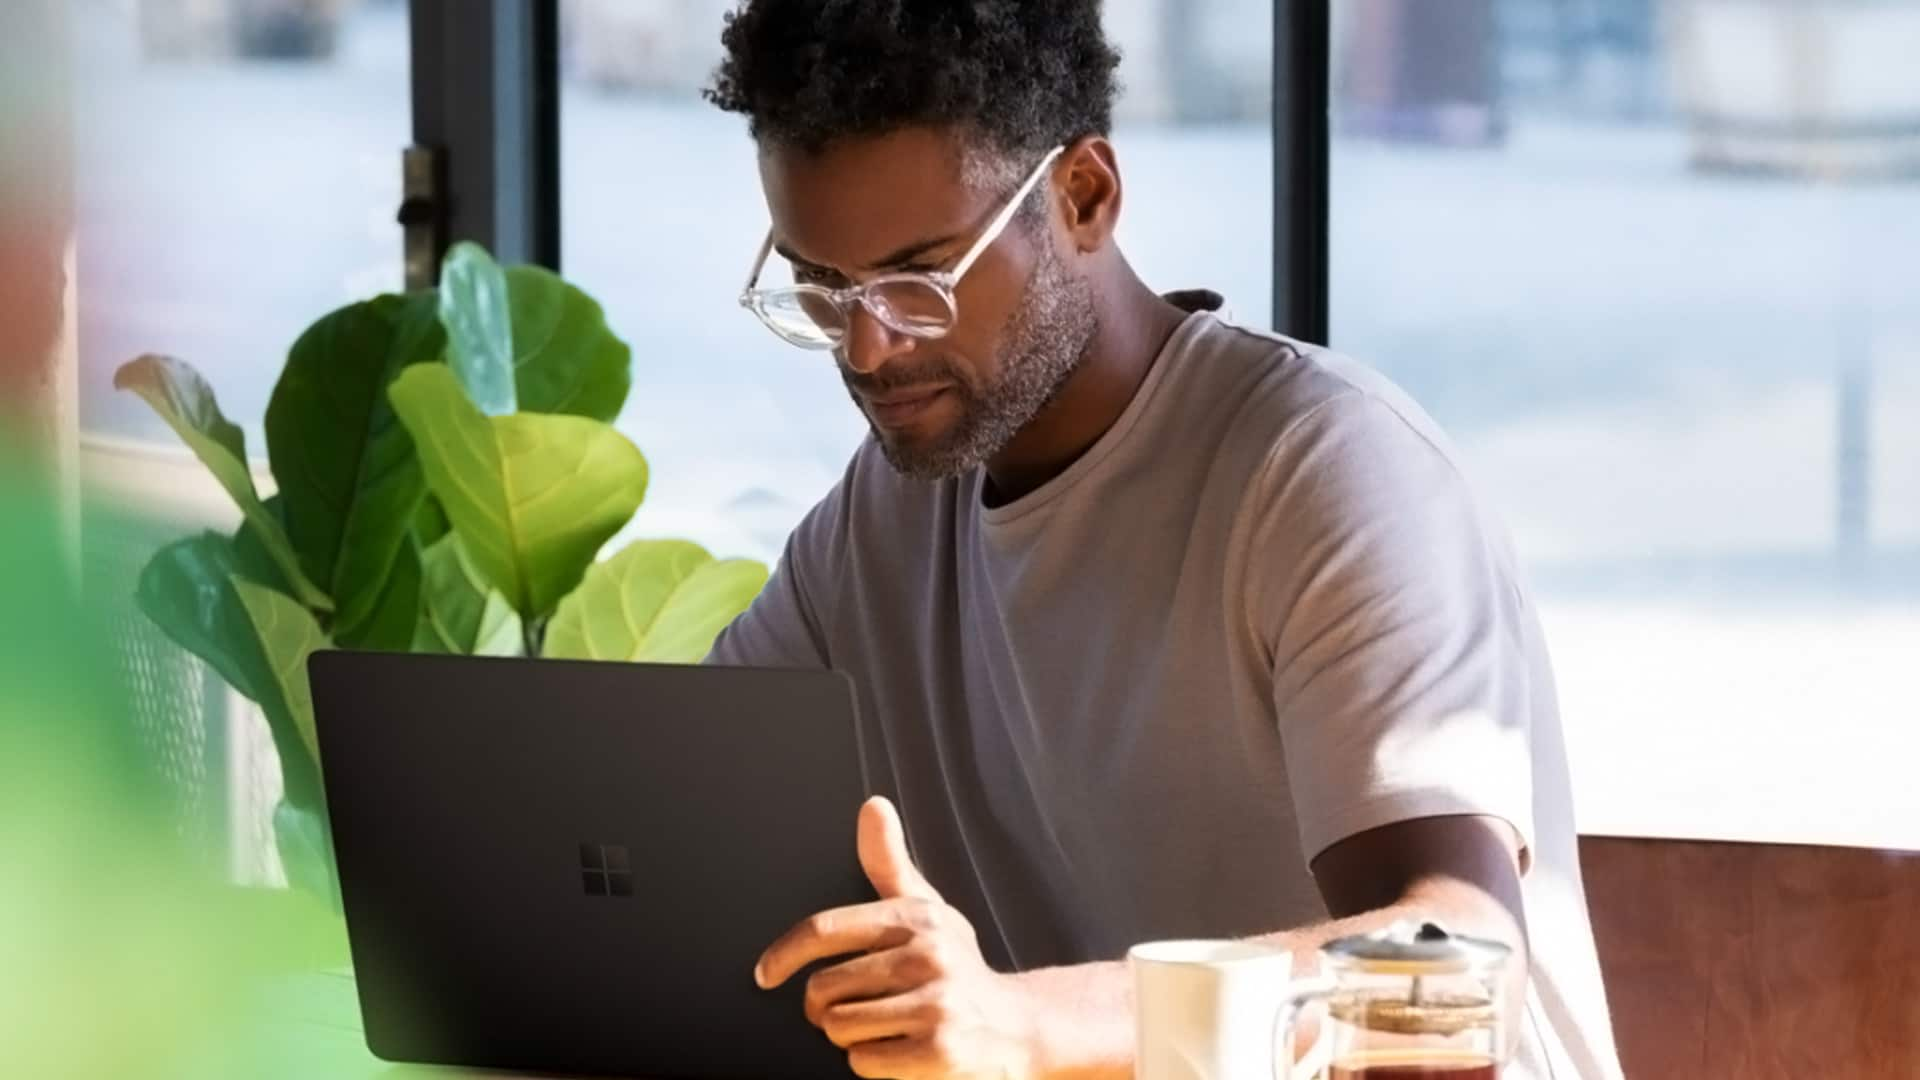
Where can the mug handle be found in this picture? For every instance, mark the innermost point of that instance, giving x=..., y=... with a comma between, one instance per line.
x=1320, y=1053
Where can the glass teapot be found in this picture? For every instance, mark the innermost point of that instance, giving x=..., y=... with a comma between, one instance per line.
x=1409, y=1002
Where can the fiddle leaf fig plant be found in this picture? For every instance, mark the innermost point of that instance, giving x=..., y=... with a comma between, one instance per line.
x=446, y=476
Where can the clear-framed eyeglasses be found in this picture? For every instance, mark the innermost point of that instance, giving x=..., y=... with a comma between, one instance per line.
x=920, y=305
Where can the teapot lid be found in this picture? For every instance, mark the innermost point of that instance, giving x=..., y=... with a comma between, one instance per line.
x=1416, y=948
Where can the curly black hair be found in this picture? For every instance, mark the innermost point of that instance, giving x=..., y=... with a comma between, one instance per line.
x=1023, y=76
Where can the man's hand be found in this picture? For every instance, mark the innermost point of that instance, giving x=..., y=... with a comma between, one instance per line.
x=918, y=1002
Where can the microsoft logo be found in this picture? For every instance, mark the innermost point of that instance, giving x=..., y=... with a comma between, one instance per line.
x=605, y=870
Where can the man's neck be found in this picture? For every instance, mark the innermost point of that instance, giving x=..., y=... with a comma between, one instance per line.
x=1132, y=325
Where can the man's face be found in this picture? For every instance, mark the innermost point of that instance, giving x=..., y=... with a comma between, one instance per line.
x=899, y=202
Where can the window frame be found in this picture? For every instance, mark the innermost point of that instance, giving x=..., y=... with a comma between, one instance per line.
x=1302, y=148
x=486, y=110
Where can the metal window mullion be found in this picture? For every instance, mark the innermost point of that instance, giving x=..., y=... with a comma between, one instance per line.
x=1302, y=99
x=486, y=129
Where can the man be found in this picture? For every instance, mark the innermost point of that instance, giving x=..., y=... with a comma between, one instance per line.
x=1160, y=627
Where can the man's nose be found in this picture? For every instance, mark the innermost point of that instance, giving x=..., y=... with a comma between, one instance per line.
x=870, y=343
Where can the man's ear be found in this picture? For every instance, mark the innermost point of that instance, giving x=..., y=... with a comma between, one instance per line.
x=1087, y=184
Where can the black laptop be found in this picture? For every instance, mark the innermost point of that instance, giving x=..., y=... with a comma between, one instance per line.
x=563, y=867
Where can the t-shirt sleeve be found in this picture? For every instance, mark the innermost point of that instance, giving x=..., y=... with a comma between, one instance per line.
x=782, y=627
x=1397, y=630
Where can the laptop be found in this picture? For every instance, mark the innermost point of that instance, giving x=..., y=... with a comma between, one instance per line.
x=569, y=867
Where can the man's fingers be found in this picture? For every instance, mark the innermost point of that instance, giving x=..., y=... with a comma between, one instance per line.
x=883, y=854
x=867, y=978
x=863, y=928
x=911, y=1014
x=894, y=1059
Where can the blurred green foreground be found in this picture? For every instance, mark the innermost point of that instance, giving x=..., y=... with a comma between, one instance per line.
x=123, y=952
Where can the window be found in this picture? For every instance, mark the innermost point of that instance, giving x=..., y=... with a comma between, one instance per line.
x=238, y=169
x=1656, y=267
x=662, y=212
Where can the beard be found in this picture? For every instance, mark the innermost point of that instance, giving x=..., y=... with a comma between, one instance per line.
x=1044, y=343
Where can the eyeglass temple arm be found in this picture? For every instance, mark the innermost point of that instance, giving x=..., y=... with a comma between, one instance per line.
x=759, y=263
x=986, y=239
x=1006, y=214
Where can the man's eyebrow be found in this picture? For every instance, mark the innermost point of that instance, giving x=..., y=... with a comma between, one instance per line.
x=793, y=257
x=913, y=252
x=901, y=257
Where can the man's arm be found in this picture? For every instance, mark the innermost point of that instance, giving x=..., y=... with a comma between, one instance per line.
x=1402, y=697
x=919, y=1003
x=1460, y=871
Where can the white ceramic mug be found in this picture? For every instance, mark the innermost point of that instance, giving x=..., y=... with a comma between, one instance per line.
x=1207, y=1010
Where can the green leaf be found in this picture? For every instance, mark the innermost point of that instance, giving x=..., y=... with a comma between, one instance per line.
x=188, y=590
x=566, y=359
x=185, y=401
x=306, y=851
x=524, y=340
x=287, y=635
x=660, y=601
x=532, y=497
x=459, y=612
x=430, y=522
x=184, y=590
x=475, y=310
x=348, y=476
x=389, y=621
x=250, y=556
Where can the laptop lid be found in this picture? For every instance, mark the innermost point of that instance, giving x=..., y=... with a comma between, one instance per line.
x=572, y=867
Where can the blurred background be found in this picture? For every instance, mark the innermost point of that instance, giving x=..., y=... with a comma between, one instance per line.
x=1655, y=264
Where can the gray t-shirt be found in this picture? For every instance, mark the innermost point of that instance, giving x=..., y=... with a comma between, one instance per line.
x=1263, y=613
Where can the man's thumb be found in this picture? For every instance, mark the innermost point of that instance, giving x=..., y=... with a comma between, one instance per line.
x=883, y=854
